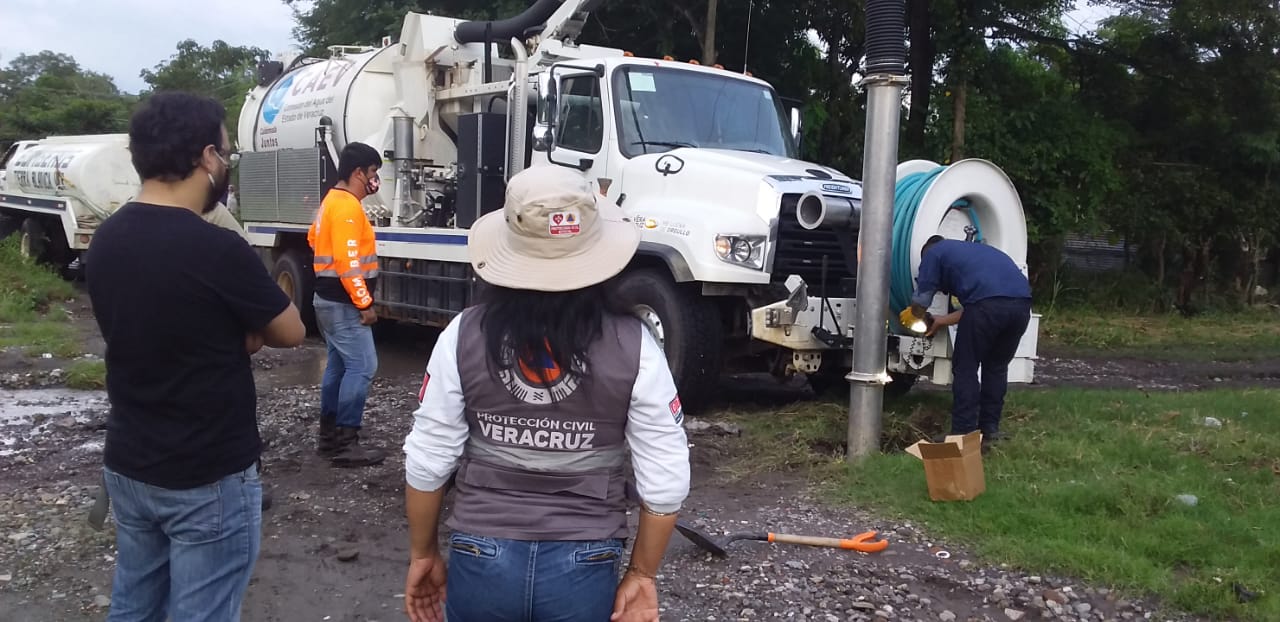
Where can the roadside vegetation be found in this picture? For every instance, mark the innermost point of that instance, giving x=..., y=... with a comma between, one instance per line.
x=31, y=311
x=1242, y=335
x=87, y=375
x=1094, y=484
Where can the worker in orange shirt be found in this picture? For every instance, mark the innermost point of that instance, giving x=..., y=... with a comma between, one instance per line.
x=346, y=267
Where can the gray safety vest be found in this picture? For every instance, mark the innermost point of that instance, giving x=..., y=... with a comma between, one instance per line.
x=538, y=468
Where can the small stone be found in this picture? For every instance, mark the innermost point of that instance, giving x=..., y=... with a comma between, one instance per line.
x=882, y=614
x=1083, y=608
x=863, y=605
x=831, y=618
x=795, y=565
x=1188, y=500
x=1034, y=579
x=348, y=555
x=6, y=577
x=1014, y=614
x=947, y=616
x=1054, y=596
x=101, y=601
x=20, y=536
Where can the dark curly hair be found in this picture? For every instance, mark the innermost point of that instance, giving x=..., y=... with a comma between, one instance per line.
x=170, y=130
x=356, y=157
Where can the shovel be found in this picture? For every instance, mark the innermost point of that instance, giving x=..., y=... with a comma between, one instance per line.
x=862, y=542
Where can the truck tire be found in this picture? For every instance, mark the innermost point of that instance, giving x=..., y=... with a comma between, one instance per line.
x=685, y=324
x=34, y=243
x=833, y=385
x=296, y=279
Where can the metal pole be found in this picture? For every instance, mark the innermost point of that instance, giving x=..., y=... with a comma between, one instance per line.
x=886, y=60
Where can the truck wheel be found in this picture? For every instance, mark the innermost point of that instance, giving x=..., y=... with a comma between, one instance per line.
x=34, y=243
x=685, y=324
x=298, y=282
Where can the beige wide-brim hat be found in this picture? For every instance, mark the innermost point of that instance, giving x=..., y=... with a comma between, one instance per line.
x=553, y=235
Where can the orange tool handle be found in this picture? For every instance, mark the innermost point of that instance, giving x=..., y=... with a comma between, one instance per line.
x=857, y=543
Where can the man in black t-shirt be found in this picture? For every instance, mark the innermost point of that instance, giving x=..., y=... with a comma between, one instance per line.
x=182, y=305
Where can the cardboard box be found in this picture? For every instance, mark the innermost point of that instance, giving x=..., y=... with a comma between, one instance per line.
x=953, y=468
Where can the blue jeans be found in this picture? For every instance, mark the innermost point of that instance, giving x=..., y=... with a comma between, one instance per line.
x=184, y=554
x=499, y=580
x=352, y=362
x=988, y=336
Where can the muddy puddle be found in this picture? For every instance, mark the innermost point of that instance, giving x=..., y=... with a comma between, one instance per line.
x=403, y=351
x=28, y=413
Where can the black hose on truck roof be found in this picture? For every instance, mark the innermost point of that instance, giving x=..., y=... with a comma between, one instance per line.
x=506, y=29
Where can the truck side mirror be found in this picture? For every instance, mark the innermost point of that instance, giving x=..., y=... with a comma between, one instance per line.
x=796, y=126
x=544, y=131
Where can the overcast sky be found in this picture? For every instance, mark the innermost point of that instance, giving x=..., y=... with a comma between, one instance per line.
x=122, y=37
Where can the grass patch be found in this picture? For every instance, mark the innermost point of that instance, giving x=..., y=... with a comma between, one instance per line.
x=1088, y=487
x=1239, y=336
x=31, y=314
x=87, y=375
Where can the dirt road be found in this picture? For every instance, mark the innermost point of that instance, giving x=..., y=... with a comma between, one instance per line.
x=53, y=567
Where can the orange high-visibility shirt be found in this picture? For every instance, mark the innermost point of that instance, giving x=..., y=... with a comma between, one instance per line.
x=345, y=249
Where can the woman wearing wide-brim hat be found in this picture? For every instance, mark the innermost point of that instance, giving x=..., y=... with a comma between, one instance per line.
x=531, y=401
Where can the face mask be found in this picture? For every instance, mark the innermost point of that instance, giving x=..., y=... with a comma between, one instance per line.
x=217, y=189
x=373, y=185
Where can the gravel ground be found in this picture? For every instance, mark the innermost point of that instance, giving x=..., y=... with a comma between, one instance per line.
x=334, y=542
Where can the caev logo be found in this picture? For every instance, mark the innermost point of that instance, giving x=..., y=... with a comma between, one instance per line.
x=275, y=100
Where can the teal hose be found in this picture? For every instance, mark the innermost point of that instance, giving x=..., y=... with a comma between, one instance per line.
x=907, y=194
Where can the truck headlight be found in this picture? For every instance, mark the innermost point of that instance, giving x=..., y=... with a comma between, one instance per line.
x=741, y=250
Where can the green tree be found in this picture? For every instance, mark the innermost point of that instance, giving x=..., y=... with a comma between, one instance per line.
x=50, y=94
x=223, y=72
x=1203, y=106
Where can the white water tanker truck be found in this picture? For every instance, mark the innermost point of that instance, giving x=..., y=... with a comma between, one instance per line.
x=55, y=192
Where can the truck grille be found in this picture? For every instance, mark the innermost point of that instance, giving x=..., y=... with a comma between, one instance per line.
x=801, y=251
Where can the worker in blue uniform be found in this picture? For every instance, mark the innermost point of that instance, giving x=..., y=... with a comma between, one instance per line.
x=995, y=299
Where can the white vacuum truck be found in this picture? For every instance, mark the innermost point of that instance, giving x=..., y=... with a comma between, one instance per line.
x=748, y=254
x=56, y=191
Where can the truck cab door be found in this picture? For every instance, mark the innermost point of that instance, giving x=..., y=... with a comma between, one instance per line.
x=572, y=126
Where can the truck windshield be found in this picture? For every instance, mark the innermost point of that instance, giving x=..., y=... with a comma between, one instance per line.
x=660, y=109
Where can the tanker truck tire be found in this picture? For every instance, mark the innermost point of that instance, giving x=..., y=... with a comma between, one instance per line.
x=297, y=281
x=686, y=326
x=34, y=243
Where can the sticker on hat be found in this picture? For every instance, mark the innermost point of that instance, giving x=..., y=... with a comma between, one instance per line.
x=564, y=224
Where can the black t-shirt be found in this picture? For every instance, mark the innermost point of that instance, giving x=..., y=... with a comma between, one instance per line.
x=175, y=297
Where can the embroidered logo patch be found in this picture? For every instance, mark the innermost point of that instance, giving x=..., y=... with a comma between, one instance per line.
x=677, y=412
x=422, y=392
x=564, y=224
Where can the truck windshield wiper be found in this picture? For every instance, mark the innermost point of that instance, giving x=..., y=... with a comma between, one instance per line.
x=662, y=143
